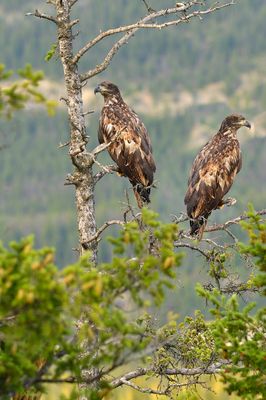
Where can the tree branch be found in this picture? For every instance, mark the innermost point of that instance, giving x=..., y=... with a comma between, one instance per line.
x=133, y=28
x=109, y=169
x=235, y=221
x=104, y=146
x=103, y=227
x=72, y=3
x=38, y=14
x=137, y=25
x=210, y=370
x=163, y=392
x=195, y=248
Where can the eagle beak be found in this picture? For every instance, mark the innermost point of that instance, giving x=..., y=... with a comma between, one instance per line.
x=97, y=89
x=247, y=124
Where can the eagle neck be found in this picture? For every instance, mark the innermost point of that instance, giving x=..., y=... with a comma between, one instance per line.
x=228, y=132
x=113, y=100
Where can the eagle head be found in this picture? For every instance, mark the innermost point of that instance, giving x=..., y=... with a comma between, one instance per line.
x=234, y=121
x=107, y=89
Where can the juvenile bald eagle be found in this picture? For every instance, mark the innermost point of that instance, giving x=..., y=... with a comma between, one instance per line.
x=130, y=146
x=213, y=172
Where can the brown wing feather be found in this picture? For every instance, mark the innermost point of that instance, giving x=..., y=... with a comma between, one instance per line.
x=212, y=175
x=132, y=149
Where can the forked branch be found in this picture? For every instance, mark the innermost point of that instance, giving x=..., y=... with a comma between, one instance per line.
x=212, y=369
x=38, y=14
x=142, y=24
x=235, y=221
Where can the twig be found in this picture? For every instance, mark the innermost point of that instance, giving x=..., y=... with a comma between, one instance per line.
x=103, y=227
x=210, y=370
x=133, y=28
x=164, y=392
x=183, y=217
x=65, y=380
x=109, y=169
x=149, y=9
x=72, y=3
x=73, y=23
x=189, y=246
x=235, y=221
x=104, y=146
x=232, y=288
x=63, y=145
x=38, y=14
x=113, y=31
x=88, y=112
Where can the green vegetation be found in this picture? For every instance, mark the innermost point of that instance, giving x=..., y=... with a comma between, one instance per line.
x=238, y=333
x=37, y=295
x=15, y=95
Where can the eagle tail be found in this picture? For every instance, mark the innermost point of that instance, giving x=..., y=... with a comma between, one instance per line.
x=197, y=226
x=142, y=194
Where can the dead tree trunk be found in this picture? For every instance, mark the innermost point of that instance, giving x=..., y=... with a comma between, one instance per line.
x=82, y=177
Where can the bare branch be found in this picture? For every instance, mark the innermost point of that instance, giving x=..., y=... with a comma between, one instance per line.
x=195, y=248
x=141, y=24
x=232, y=288
x=104, y=146
x=103, y=227
x=235, y=221
x=209, y=370
x=72, y=3
x=61, y=145
x=113, y=31
x=88, y=112
x=38, y=14
x=73, y=23
x=109, y=169
x=163, y=392
x=149, y=9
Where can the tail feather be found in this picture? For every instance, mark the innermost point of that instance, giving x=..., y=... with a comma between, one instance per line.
x=142, y=194
x=197, y=226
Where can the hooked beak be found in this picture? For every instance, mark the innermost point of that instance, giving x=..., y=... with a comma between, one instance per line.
x=97, y=89
x=247, y=124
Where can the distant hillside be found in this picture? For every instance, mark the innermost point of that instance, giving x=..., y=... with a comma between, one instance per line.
x=219, y=48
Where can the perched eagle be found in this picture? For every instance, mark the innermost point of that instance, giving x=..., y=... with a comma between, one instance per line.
x=213, y=172
x=130, y=145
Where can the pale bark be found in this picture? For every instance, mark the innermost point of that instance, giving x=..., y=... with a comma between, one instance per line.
x=82, y=177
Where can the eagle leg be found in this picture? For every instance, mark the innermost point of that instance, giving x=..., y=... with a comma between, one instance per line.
x=230, y=201
x=138, y=197
x=120, y=172
x=201, y=230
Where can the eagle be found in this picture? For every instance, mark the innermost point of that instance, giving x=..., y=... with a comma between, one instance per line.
x=213, y=172
x=130, y=145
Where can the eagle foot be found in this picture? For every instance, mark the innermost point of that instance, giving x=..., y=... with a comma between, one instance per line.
x=230, y=201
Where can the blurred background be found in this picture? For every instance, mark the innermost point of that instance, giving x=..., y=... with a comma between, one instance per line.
x=182, y=81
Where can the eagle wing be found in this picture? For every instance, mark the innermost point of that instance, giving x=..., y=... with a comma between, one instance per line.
x=131, y=148
x=212, y=175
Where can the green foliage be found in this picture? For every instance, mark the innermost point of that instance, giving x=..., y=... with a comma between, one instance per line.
x=51, y=52
x=39, y=304
x=257, y=246
x=240, y=335
x=15, y=94
x=189, y=343
x=31, y=313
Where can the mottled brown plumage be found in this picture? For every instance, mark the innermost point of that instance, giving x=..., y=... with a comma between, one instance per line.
x=130, y=146
x=213, y=172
